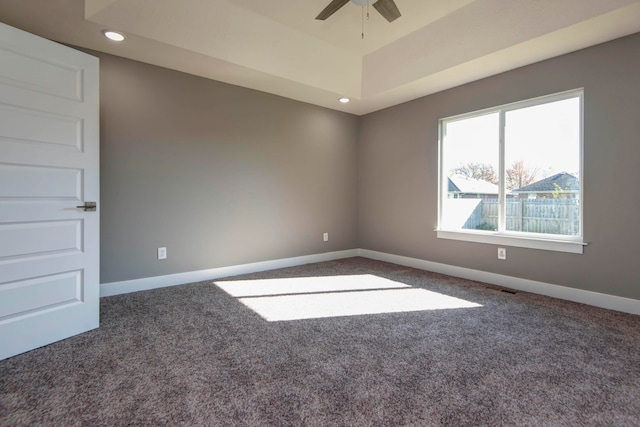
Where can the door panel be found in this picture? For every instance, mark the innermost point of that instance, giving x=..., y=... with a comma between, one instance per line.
x=40, y=238
x=37, y=182
x=38, y=71
x=28, y=126
x=49, y=165
x=27, y=296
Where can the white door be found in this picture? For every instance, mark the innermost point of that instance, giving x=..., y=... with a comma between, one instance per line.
x=49, y=154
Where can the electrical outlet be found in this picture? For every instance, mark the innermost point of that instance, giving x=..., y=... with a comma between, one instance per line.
x=162, y=253
x=502, y=253
x=325, y=237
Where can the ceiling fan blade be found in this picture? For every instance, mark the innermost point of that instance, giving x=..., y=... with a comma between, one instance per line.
x=388, y=9
x=331, y=9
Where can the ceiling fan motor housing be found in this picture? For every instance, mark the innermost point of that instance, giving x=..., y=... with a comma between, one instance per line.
x=387, y=8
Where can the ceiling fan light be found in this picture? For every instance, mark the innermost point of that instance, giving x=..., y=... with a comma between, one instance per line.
x=113, y=35
x=364, y=2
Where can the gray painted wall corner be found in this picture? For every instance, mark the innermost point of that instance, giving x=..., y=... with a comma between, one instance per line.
x=219, y=175
x=398, y=172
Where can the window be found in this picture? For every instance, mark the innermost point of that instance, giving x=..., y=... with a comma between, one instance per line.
x=512, y=175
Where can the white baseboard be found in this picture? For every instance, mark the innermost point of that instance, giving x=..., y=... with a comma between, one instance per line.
x=147, y=283
x=611, y=302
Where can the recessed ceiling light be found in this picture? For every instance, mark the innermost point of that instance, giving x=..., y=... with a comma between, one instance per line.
x=113, y=35
x=344, y=100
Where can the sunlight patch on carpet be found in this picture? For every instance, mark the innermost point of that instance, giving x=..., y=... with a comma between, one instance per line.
x=305, y=285
x=332, y=296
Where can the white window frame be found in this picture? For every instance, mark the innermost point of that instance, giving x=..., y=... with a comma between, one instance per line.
x=551, y=242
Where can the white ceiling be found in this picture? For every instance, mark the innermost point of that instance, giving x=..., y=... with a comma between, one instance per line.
x=277, y=46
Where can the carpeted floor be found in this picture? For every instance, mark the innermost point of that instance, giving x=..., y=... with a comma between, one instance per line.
x=195, y=355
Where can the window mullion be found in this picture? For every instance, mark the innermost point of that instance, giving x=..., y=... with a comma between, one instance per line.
x=502, y=192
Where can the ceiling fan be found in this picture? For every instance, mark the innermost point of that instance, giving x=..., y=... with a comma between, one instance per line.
x=387, y=8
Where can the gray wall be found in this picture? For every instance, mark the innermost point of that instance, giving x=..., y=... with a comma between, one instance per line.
x=222, y=175
x=218, y=174
x=398, y=169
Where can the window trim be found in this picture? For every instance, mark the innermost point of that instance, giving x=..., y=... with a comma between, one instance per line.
x=551, y=242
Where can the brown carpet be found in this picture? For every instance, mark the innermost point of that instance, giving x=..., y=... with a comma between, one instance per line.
x=194, y=355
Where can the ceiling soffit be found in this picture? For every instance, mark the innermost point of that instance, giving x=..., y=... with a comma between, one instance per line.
x=278, y=47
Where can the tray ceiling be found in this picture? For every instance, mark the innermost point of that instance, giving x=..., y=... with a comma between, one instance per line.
x=277, y=46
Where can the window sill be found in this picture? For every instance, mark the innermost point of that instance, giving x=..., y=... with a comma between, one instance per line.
x=570, y=246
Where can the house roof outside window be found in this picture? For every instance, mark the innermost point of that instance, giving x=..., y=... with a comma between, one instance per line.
x=562, y=182
x=459, y=184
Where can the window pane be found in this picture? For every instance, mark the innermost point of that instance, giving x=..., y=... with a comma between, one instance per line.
x=542, y=168
x=470, y=168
